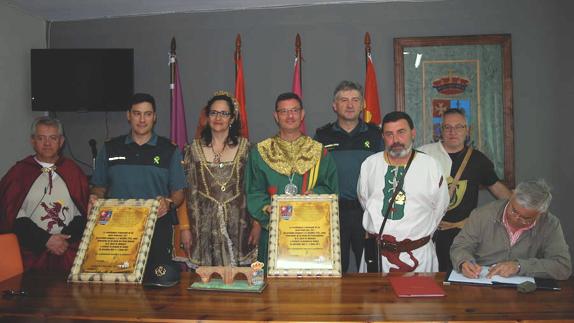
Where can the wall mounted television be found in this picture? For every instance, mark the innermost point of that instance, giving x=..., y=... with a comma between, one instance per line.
x=82, y=79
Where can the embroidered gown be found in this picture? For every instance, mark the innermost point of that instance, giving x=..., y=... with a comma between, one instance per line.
x=219, y=222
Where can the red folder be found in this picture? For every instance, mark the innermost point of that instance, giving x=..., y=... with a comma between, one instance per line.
x=416, y=286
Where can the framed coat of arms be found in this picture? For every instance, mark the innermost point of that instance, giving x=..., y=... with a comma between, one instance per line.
x=473, y=73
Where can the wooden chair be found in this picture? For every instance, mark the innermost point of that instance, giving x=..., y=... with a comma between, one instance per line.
x=11, y=260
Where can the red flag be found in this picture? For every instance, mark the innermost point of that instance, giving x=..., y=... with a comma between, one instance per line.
x=240, y=96
x=372, y=112
x=297, y=87
x=240, y=88
x=178, y=133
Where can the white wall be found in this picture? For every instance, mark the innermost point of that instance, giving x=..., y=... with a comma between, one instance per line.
x=19, y=32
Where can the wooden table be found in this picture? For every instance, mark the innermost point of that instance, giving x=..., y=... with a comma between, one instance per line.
x=354, y=298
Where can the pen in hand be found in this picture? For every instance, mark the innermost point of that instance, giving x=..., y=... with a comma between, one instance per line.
x=470, y=269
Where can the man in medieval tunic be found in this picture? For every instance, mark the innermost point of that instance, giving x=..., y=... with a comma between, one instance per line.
x=288, y=163
x=420, y=202
x=43, y=200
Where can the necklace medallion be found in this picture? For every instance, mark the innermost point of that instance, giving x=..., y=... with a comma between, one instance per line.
x=291, y=189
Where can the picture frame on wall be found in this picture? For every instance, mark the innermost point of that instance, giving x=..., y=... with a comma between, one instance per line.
x=473, y=73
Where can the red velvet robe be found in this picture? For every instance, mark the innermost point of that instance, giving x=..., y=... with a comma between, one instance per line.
x=14, y=187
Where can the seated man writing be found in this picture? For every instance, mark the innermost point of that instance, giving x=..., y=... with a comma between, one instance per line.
x=515, y=237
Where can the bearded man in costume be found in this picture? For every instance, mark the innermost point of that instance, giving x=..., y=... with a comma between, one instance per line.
x=43, y=200
x=419, y=204
x=288, y=163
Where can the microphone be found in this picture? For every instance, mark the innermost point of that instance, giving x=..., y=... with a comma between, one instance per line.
x=92, y=143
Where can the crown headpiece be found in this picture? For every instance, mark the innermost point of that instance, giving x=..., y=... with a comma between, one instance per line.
x=235, y=103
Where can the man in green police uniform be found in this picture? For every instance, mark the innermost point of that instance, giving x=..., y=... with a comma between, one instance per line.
x=350, y=141
x=143, y=165
x=288, y=163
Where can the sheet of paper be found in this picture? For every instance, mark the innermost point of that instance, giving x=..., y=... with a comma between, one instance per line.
x=512, y=280
x=455, y=276
x=460, y=278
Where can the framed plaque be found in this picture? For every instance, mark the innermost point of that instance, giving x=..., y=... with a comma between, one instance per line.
x=116, y=242
x=304, y=236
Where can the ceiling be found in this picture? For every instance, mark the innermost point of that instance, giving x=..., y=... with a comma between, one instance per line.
x=66, y=10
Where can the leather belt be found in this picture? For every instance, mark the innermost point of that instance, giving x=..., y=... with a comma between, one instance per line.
x=401, y=246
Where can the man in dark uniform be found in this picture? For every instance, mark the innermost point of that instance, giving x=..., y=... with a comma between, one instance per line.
x=143, y=165
x=350, y=140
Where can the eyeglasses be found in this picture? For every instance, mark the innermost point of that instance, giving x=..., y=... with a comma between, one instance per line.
x=457, y=128
x=223, y=114
x=521, y=218
x=287, y=111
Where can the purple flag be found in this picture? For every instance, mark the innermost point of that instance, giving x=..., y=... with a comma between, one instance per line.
x=178, y=126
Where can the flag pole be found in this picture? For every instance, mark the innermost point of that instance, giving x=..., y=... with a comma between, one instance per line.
x=237, y=58
x=367, y=42
x=367, y=46
x=298, y=75
x=182, y=217
x=240, y=88
x=172, y=59
x=237, y=50
x=300, y=58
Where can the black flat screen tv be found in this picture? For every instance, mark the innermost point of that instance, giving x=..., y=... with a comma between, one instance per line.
x=82, y=79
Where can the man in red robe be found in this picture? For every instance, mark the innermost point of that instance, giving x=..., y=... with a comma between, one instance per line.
x=43, y=200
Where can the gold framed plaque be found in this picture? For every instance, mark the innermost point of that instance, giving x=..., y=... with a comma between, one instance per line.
x=116, y=242
x=304, y=236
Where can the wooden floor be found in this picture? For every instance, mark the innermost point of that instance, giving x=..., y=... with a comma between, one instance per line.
x=353, y=298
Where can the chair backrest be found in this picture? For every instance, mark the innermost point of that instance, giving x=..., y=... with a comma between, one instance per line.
x=11, y=260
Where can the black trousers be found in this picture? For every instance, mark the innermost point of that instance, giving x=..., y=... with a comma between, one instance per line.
x=161, y=244
x=443, y=240
x=352, y=232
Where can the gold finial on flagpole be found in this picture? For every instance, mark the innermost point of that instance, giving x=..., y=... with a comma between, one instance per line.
x=298, y=45
x=367, y=43
x=238, y=46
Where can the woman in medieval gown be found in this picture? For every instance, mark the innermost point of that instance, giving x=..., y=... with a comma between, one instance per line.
x=221, y=232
